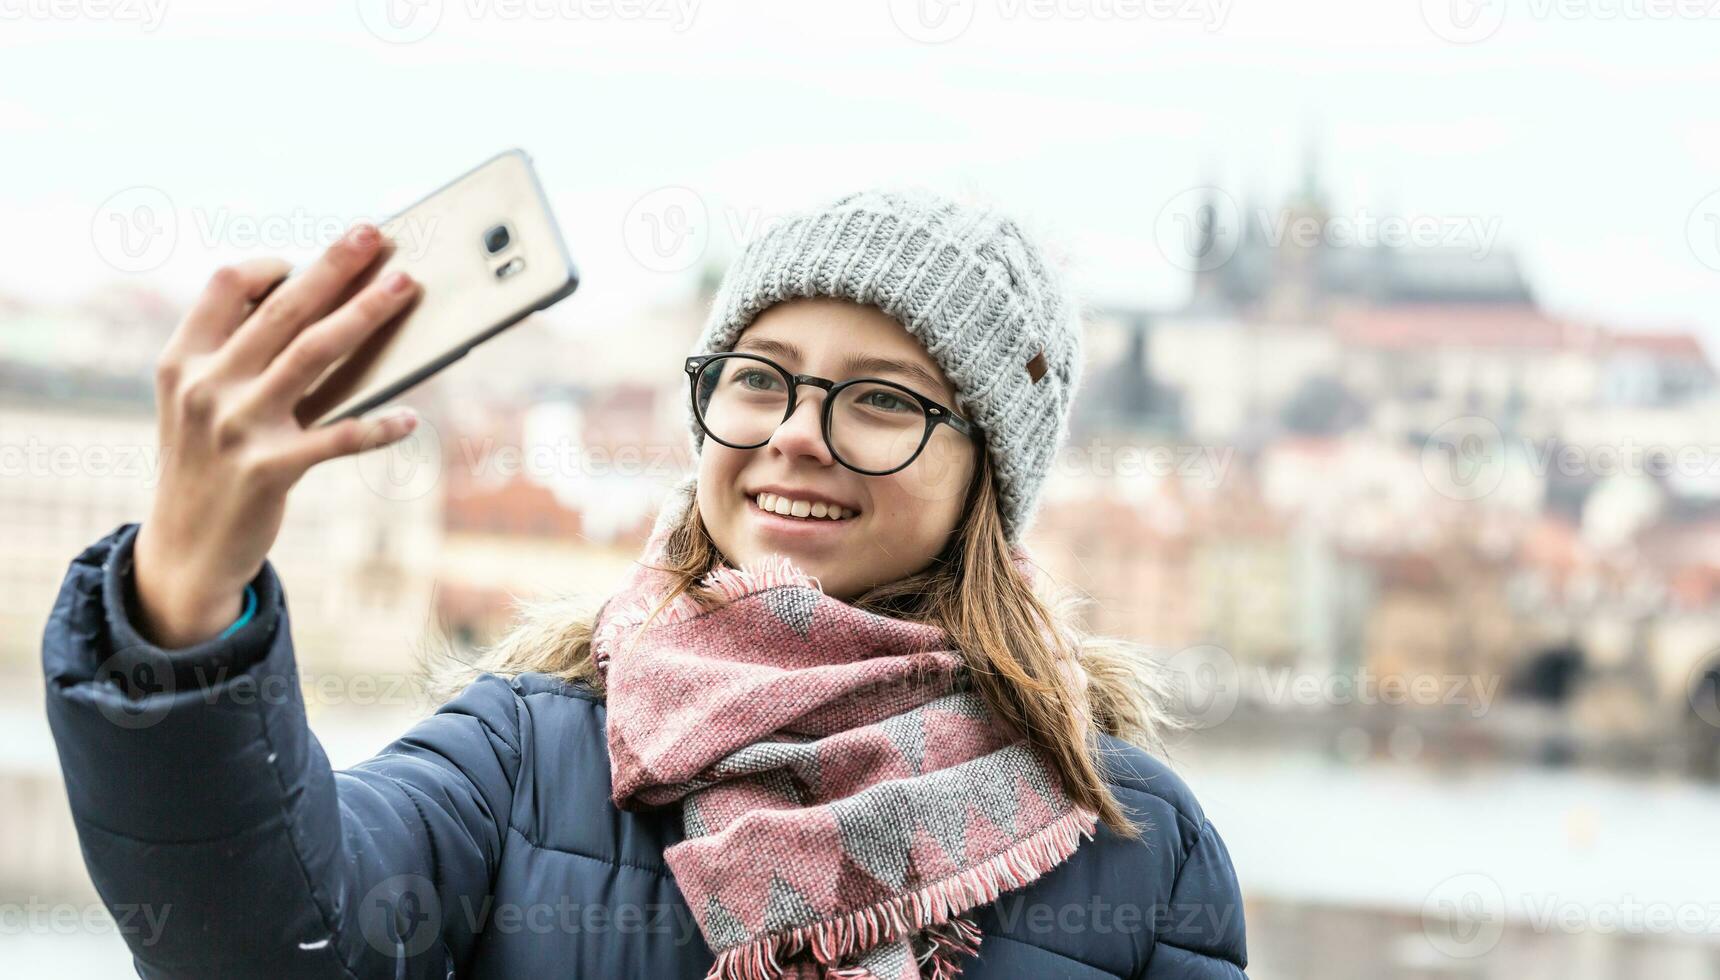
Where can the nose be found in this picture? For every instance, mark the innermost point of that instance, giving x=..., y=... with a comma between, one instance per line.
x=800, y=434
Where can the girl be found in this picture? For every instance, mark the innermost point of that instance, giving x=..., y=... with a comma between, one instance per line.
x=826, y=727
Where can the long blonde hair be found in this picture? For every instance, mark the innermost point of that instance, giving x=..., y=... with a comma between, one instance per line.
x=975, y=594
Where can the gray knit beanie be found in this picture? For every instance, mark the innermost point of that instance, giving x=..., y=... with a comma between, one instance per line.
x=965, y=281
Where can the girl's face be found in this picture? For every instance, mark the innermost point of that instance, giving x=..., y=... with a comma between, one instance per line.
x=901, y=521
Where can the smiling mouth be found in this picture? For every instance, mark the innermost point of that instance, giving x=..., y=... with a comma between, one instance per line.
x=802, y=510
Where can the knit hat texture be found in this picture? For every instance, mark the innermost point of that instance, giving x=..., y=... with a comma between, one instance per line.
x=965, y=281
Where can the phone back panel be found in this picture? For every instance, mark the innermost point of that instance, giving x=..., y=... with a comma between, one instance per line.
x=468, y=293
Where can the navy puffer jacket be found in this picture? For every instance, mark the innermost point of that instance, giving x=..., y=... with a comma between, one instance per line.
x=483, y=842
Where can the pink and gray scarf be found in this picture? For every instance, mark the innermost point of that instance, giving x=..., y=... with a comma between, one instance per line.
x=847, y=798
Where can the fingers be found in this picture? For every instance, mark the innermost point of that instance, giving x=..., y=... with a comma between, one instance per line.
x=348, y=437
x=224, y=302
x=302, y=300
x=308, y=355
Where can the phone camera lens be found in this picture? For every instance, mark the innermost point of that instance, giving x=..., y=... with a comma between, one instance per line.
x=497, y=238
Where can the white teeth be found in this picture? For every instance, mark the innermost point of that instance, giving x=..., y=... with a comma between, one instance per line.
x=801, y=508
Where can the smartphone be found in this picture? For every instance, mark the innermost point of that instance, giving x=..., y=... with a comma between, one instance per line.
x=486, y=253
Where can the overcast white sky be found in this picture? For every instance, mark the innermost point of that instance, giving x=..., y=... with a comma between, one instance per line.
x=1584, y=132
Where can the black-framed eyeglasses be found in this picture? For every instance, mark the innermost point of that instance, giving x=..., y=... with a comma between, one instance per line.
x=872, y=426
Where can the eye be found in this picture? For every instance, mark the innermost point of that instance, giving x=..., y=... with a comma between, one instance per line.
x=886, y=400
x=755, y=379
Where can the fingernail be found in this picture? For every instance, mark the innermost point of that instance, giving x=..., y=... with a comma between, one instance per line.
x=365, y=235
x=397, y=282
x=404, y=421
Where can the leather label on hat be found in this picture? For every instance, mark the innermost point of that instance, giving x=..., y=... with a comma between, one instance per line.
x=1036, y=367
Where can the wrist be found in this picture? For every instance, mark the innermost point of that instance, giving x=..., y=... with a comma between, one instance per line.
x=245, y=616
x=173, y=619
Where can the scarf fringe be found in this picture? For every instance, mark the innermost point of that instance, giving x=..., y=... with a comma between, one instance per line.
x=939, y=904
x=772, y=571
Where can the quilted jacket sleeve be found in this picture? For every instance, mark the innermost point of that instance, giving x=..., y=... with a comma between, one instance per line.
x=1201, y=936
x=212, y=824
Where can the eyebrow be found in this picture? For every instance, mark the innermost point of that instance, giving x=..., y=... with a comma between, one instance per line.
x=854, y=365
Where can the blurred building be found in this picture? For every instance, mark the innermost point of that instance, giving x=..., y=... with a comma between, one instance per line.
x=1428, y=472
x=81, y=458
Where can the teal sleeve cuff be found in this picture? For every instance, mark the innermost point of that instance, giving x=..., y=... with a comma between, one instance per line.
x=244, y=617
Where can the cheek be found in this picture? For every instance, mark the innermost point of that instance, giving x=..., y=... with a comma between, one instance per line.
x=720, y=467
x=929, y=495
x=939, y=477
x=719, y=482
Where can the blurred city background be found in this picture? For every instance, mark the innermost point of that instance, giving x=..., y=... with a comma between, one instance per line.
x=1396, y=442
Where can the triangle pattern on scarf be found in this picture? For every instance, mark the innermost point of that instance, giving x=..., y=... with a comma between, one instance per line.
x=948, y=824
x=873, y=843
x=786, y=907
x=999, y=802
x=722, y=926
x=793, y=606
x=907, y=732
